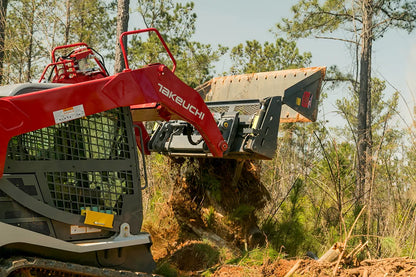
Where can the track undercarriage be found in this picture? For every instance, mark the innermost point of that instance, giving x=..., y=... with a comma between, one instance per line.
x=37, y=267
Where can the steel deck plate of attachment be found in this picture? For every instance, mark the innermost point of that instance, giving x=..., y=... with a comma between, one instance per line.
x=262, y=85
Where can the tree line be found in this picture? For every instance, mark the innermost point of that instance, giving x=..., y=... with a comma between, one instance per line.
x=322, y=177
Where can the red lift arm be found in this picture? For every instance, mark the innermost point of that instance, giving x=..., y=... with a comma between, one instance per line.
x=153, y=85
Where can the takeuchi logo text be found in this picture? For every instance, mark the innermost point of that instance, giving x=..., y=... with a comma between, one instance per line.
x=180, y=101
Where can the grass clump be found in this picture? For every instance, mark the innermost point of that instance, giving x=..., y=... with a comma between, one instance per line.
x=256, y=257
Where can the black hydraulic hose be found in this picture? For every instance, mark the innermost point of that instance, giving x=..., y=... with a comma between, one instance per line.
x=101, y=60
x=189, y=130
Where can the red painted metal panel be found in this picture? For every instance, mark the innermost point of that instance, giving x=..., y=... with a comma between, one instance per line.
x=155, y=83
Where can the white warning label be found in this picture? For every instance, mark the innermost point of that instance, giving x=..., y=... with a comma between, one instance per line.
x=69, y=114
x=75, y=229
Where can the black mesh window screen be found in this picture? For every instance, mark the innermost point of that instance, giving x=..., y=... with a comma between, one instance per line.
x=99, y=191
x=99, y=136
x=92, y=163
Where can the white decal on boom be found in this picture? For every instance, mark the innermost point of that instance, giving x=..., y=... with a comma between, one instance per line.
x=68, y=114
x=180, y=101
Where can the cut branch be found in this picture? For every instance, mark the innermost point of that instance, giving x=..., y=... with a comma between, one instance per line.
x=340, y=39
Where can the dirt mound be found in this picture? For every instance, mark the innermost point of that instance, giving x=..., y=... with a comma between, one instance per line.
x=278, y=268
x=370, y=268
x=194, y=256
x=237, y=271
x=164, y=231
x=221, y=196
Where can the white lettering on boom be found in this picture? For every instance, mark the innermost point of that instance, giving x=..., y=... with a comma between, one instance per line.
x=180, y=101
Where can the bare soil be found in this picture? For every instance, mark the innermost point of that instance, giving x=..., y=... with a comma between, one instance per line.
x=193, y=258
x=373, y=268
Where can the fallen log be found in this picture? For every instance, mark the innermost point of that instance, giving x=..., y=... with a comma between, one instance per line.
x=333, y=253
x=212, y=237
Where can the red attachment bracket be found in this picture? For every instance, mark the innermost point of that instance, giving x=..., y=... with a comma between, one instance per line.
x=66, y=46
x=123, y=49
x=67, y=68
x=58, y=72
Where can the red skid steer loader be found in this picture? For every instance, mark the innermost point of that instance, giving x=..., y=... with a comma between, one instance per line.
x=71, y=148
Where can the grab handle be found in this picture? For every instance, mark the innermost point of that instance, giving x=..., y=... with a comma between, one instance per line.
x=143, y=31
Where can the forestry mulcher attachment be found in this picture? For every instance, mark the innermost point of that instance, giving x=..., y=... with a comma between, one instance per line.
x=72, y=147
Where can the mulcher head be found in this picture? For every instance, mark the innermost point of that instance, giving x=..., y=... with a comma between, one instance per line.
x=248, y=109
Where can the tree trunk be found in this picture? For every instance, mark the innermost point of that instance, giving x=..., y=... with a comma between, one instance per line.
x=364, y=108
x=369, y=154
x=81, y=21
x=30, y=50
x=3, y=13
x=122, y=26
x=68, y=21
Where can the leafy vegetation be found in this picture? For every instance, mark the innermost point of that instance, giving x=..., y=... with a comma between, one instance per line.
x=314, y=183
x=254, y=57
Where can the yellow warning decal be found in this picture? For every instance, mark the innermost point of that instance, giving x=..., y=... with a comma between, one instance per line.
x=298, y=100
x=99, y=219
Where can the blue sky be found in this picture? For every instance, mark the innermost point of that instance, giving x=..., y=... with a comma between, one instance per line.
x=230, y=22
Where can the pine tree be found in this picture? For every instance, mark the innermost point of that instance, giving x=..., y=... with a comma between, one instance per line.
x=176, y=23
x=254, y=57
x=34, y=27
x=366, y=20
